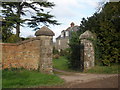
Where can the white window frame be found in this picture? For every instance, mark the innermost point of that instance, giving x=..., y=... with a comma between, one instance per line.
x=59, y=42
x=67, y=33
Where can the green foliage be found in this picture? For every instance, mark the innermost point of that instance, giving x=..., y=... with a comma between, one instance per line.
x=5, y=30
x=13, y=39
x=64, y=52
x=109, y=33
x=113, y=69
x=56, y=56
x=105, y=25
x=106, y=62
x=74, y=55
x=25, y=79
x=13, y=11
x=61, y=64
x=55, y=51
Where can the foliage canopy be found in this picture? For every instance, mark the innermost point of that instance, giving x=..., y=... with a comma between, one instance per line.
x=105, y=25
x=32, y=14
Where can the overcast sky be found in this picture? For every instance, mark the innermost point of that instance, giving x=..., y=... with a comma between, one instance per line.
x=65, y=12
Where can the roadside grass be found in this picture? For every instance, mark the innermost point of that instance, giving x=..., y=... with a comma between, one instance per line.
x=1, y=79
x=62, y=64
x=114, y=69
x=27, y=79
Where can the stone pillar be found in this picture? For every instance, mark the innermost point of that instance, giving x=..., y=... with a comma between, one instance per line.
x=46, y=48
x=87, y=55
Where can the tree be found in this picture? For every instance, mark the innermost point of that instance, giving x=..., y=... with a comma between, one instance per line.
x=13, y=11
x=6, y=30
x=109, y=32
x=105, y=25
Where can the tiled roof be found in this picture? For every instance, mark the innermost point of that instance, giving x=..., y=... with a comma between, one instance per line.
x=74, y=28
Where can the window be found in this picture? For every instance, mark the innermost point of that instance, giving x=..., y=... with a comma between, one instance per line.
x=59, y=42
x=67, y=33
x=68, y=41
x=62, y=34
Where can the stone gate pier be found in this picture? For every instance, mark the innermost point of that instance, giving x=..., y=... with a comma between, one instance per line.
x=46, y=49
x=87, y=50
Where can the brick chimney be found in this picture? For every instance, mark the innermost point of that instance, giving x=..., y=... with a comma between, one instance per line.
x=72, y=24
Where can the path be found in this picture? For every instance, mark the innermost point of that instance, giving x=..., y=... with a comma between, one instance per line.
x=85, y=80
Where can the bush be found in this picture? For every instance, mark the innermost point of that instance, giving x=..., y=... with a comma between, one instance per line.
x=55, y=51
x=13, y=39
x=65, y=52
x=106, y=62
x=56, y=56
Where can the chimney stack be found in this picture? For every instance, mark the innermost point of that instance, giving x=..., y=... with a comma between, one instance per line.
x=72, y=24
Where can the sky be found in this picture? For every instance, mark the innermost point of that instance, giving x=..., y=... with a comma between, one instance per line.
x=65, y=12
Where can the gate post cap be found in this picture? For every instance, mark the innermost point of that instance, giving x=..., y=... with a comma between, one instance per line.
x=86, y=34
x=44, y=31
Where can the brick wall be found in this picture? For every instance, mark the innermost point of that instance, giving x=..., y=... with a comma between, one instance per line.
x=25, y=54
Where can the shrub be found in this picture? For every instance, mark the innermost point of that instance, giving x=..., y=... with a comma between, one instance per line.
x=65, y=52
x=13, y=39
x=55, y=51
x=56, y=56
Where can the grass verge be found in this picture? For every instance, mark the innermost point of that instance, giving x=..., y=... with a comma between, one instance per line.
x=62, y=64
x=26, y=79
x=114, y=69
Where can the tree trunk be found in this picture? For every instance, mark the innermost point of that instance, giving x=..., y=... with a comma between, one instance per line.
x=18, y=30
x=18, y=23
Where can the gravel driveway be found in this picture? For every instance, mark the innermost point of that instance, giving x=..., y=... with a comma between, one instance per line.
x=80, y=80
x=85, y=80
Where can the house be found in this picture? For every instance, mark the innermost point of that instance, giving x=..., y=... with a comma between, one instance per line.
x=62, y=40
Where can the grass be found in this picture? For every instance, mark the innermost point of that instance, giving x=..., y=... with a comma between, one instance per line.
x=62, y=64
x=0, y=79
x=26, y=79
x=104, y=69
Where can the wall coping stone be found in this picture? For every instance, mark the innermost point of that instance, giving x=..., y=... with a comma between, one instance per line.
x=21, y=42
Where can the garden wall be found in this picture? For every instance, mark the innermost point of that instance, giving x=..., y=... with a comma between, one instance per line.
x=24, y=54
x=32, y=54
